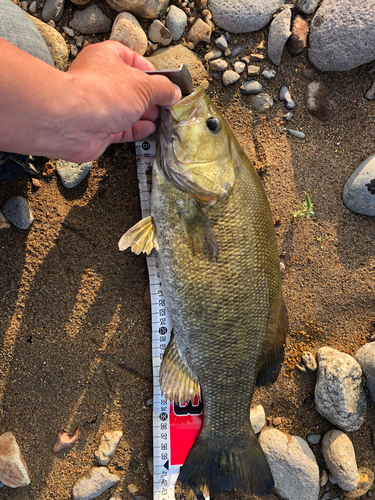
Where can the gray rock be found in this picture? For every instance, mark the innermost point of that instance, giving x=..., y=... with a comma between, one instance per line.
x=218, y=65
x=339, y=395
x=370, y=94
x=68, y=31
x=261, y=102
x=288, y=116
x=296, y=133
x=90, y=21
x=309, y=361
x=251, y=87
x=55, y=43
x=94, y=483
x=17, y=211
x=257, y=418
x=285, y=96
x=279, y=33
x=338, y=453
x=314, y=437
x=213, y=54
x=342, y=35
x=230, y=77
x=326, y=496
x=236, y=51
x=292, y=463
x=306, y=6
x=242, y=16
x=365, y=357
x=127, y=30
x=71, y=174
x=239, y=67
x=33, y=7
x=176, y=22
x=150, y=9
x=13, y=468
x=73, y=50
x=221, y=43
x=269, y=73
x=359, y=191
x=107, y=447
x=158, y=33
x=53, y=10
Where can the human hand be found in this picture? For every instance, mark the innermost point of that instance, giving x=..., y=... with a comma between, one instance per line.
x=115, y=100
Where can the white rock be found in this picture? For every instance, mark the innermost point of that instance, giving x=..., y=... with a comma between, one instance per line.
x=176, y=22
x=213, y=54
x=292, y=463
x=342, y=35
x=278, y=35
x=239, y=67
x=269, y=73
x=243, y=16
x=339, y=395
x=366, y=358
x=107, y=447
x=218, y=65
x=127, y=30
x=158, y=33
x=257, y=418
x=338, y=453
x=309, y=361
x=94, y=483
x=230, y=77
x=71, y=174
x=13, y=468
x=323, y=478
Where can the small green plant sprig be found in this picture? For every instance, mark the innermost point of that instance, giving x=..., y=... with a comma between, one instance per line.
x=305, y=210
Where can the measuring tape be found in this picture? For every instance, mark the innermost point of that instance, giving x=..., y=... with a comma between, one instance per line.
x=175, y=427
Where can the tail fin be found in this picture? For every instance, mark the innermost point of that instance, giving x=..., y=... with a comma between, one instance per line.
x=217, y=465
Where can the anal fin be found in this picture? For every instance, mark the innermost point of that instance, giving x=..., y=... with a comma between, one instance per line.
x=177, y=382
x=141, y=237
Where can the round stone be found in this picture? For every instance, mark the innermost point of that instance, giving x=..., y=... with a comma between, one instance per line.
x=158, y=33
x=17, y=211
x=251, y=87
x=127, y=30
x=230, y=77
x=359, y=191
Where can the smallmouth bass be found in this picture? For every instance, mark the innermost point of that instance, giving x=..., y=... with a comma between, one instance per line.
x=212, y=226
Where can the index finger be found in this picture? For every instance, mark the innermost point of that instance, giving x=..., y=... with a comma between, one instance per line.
x=130, y=57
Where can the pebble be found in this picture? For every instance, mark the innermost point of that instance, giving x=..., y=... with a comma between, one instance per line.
x=269, y=73
x=326, y=496
x=339, y=394
x=213, y=54
x=239, y=67
x=127, y=30
x=314, y=437
x=64, y=441
x=107, y=447
x=365, y=481
x=323, y=478
x=359, y=191
x=190, y=45
x=230, y=77
x=218, y=65
x=298, y=39
x=79, y=41
x=251, y=87
x=4, y=223
x=228, y=52
x=52, y=10
x=257, y=57
x=71, y=174
x=17, y=211
x=307, y=6
x=33, y=7
x=236, y=51
x=94, y=483
x=342, y=35
x=257, y=418
x=338, y=453
x=261, y=102
x=370, y=94
x=253, y=70
x=279, y=33
x=68, y=31
x=317, y=102
x=288, y=116
x=13, y=468
x=199, y=32
x=80, y=2
x=292, y=463
x=73, y=50
x=296, y=133
x=221, y=43
x=176, y=21
x=158, y=33
x=55, y=43
x=90, y=21
x=276, y=421
x=285, y=96
x=310, y=361
x=365, y=357
x=282, y=267
x=150, y=9
x=132, y=488
x=235, y=16
x=202, y=4
x=24, y=5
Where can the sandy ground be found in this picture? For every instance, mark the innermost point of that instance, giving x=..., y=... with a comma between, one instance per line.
x=75, y=331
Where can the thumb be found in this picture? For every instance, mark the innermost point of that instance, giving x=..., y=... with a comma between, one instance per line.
x=162, y=91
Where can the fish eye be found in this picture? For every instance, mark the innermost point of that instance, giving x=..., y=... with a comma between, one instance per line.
x=213, y=124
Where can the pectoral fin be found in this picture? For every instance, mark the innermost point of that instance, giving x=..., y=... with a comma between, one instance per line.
x=141, y=237
x=177, y=382
x=199, y=233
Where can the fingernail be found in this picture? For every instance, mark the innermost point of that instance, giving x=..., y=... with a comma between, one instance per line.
x=177, y=93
